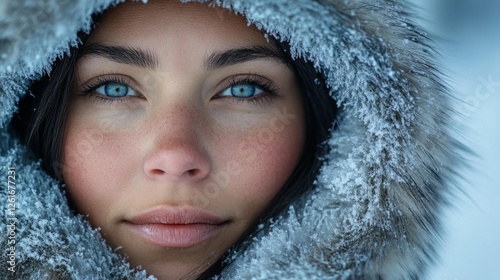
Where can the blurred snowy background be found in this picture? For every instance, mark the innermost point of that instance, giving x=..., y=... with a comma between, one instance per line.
x=470, y=48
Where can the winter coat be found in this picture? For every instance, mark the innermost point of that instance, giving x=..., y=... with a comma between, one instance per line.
x=374, y=212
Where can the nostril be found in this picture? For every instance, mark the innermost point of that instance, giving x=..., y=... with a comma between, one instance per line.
x=157, y=172
x=191, y=172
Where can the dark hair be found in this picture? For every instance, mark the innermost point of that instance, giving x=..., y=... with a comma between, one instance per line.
x=42, y=113
x=40, y=123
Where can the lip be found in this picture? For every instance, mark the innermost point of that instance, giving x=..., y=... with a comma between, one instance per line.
x=176, y=227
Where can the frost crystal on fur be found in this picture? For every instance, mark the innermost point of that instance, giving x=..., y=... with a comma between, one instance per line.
x=374, y=212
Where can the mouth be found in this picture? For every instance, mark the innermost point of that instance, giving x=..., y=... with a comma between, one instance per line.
x=176, y=227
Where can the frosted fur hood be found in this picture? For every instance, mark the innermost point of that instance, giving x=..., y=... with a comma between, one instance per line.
x=374, y=212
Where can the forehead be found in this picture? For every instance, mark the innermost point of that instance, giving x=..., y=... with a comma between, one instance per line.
x=162, y=23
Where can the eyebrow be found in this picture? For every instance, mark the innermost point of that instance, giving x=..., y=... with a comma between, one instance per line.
x=146, y=59
x=126, y=55
x=240, y=55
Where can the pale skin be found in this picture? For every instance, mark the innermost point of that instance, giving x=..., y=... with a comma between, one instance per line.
x=179, y=132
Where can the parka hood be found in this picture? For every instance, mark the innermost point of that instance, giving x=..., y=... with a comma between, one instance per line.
x=375, y=207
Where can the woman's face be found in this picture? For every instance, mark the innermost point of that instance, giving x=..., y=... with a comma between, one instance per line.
x=183, y=125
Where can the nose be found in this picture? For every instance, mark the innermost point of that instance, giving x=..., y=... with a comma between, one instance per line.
x=177, y=163
x=176, y=153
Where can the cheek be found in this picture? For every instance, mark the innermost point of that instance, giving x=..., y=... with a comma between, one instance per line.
x=259, y=161
x=94, y=167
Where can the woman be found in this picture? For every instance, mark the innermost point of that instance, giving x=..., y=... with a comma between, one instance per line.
x=199, y=147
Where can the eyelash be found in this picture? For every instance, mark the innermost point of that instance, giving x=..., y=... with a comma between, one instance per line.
x=270, y=89
x=89, y=89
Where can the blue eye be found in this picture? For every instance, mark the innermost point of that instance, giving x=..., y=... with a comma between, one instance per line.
x=116, y=90
x=242, y=91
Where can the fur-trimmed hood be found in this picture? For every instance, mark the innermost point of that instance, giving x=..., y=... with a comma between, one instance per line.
x=374, y=212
